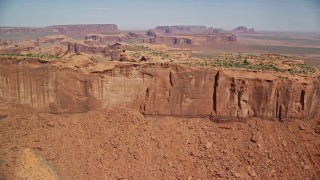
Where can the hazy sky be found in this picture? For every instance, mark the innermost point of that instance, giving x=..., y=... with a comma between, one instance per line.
x=282, y=15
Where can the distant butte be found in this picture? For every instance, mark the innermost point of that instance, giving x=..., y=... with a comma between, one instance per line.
x=189, y=35
x=244, y=30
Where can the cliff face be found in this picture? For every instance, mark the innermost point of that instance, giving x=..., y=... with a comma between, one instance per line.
x=114, y=51
x=40, y=87
x=244, y=30
x=229, y=95
x=105, y=39
x=181, y=29
x=194, y=39
x=159, y=90
x=171, y=40
x=23, y=46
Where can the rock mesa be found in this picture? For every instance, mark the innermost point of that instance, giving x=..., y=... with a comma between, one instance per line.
x=159, y=89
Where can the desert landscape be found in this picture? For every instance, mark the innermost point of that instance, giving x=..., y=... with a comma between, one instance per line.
x=95, y=101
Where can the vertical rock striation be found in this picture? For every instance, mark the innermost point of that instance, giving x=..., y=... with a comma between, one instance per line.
x=165, y=89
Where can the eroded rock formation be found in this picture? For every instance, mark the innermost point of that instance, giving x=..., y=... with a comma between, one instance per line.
x=159, y=90
x=244, y=30
x=93, y=39
x=78, y=47
x=134, y=35
x=181, y=29
x=21, y=47
x=114, y=50
x=58, y=39
x=4, y=42
x=199, y=39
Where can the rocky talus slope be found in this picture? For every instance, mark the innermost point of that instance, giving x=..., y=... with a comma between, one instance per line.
x=122, y=144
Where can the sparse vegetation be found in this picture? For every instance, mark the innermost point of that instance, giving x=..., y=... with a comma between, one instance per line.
x=98, y=58
x=40, y=56
x=138, y=51
x=264, y=62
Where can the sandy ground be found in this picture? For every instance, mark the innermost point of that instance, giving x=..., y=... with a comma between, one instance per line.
x=123, y=144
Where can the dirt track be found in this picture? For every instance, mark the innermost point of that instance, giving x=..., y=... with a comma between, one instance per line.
x=123, y=144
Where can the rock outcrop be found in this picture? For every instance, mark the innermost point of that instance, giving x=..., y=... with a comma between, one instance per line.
x=216, y=31
x=244, y=30
x=79, y=47
x=151, y=33
x=189, y=35
x=165, y=89
x=180, y=29
x=197, y=39
x=55, y=39
x=21, y=47
x=114, y=50
x=171, y=40
x=104, y=39
x=4, y=42
x=134, y=35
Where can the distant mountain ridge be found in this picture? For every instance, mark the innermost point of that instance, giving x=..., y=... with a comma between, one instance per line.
x=65, y=29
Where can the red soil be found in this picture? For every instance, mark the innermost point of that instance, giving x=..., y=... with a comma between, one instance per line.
x=123, y=144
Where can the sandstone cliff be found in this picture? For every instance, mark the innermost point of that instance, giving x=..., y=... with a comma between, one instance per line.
x=25, y=46
x=197, y=39
x=78, y=47
x=186, y=29
x=134, y=35
x=99, y=39
x=244, y=30
x=114, y=50
x=165, y=89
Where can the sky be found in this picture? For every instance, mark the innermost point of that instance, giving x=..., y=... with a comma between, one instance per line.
x=263, y=15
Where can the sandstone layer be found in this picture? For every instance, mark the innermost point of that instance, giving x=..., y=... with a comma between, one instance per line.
x=114, y=50
x=99, y=39
x=158, y=89
x=190, y=29
x=198, y=39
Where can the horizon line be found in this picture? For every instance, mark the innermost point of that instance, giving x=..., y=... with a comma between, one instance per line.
x=257, y=29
